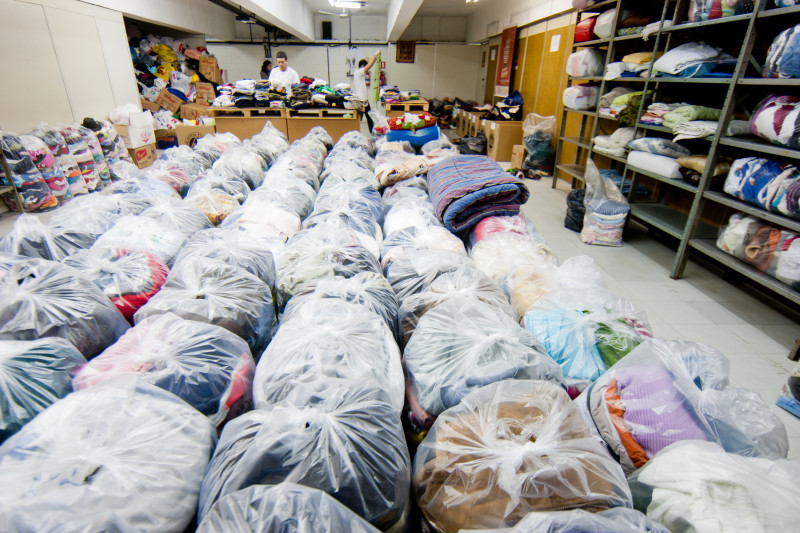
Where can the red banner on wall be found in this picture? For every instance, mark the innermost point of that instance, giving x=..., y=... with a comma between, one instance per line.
x=505, y=61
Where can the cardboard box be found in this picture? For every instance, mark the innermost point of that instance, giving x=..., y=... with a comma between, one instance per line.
x=194, y=111
x=210, y=69
x=182, y=135
x=147, y=105
x=139, y=132
x=143, y=156
x=169, y=101
x=517, y=155
x=204, y=93
x=501, y=136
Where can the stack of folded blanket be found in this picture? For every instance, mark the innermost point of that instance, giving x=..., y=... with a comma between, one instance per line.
x=695, y=60
x=686, y=113
x=615, y=143
x=300, y=97
x=656, y=111
x=698, y=129
x=244, y=93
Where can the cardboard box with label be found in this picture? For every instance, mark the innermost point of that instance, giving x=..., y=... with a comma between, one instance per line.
x=517, y=155
x=501, y=136
x=209, y=68
x=143, y=156
x=139, y=130
x=194, y=111
x=147, y=105
x=169, y=101
x=204, y=93
x=181, y=135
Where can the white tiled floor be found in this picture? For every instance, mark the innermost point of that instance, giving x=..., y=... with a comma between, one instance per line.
x=701, y=307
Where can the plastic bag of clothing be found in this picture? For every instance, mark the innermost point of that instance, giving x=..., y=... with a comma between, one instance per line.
x=649, y=400
x=463, y=344
x=214, y=203
x=501, y=253
x=235, y=248
x=781, y=62
x=501, y=224
x=100, y=164
x=82, y=154
x=581, y=96
x=419, y=238
x=348, y=443
x=171, y=174
x=211, y=291
x=604, y=26
x=206, y=366
x=606, y=210
x=31, y=238
x=585, y=62
x=328, y=343
x=348, y=172
x=129, y=278
x=321, y=252
x=86, y=215
x=575, y=210
x=45, y=299
x=206, y=148
x=295, y=194
x=266, y=147
x=508, y=449
x=697, y=486
x=526, y=285
x=777, y=120
x=538, y=132
x=48, y=166
x=367, y=230
x=364, y=201
x=232, y=186
x=144, y=234
x=584, y=344
x=407, y=215
x=319, y=135
x=282, y=507
x=298, y=164
x=123, y=457
x=700, y=10
x=34, y=375
x=473, y=145
x=189, y=160
x=265, y=217
x=367, y=289
x=30, y=184
x=416, y=187
x=239, y=163
x=66, y=161
x=177, y=215
x=467, y=281
x=414, y=270
x=616, y=520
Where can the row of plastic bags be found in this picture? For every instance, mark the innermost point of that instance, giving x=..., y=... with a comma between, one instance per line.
x=52, y=164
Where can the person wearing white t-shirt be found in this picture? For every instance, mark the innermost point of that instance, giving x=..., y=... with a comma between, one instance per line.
x=360, y=84
x=283, y=75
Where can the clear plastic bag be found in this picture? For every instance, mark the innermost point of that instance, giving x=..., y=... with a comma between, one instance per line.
x=31, y=238
x=319, y=135
x=697, y=486
x=467, y=281
x=585, y=62
x=606, y=210
x=355, y=197
x=404, y=216
x=367, y=289
x=25, y=176
x=100, y=163
x=211, y=291
x=240, y=163
x=34, y=375
x=265, y=217
x=282, y=507
x=416, y=187
x=419, y=238
x=134, y=232
x=294, y=193
x=649, y=400
x=135, y=181
x=66, y=161
x=129, y=278
x=604, y=25
x=321, y=252
x=581, y=96
x=348, y=172
x=206, y=366
x=414, y=270
x=231, y=186
x=348, y=443
x=329, y=343
x=48, y=166
x=82, y=154
x=299, y=163
x=508, y=224
x=367, y=230
x=508, y=449
x=235, y=248
x=463, y=344
x=501, y=253
x=172, y=174
x=214, y=203
x=45, y=299
x=118, y=457
x=178, y=216
x=189, y=160
x=538, y=133
x=616, y=520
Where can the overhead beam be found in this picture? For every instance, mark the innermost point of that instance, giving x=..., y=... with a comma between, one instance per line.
x=399, y=16
x=293, y=17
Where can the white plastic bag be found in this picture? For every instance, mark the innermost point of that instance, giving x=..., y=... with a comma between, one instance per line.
x=606, y=209
x=585, y=62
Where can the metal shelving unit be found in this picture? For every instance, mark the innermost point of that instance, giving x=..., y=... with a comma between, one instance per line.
x=685, y=224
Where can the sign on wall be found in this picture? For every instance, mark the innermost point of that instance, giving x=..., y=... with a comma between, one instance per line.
x=505, y=61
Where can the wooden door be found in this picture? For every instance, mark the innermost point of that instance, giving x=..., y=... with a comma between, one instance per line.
x=491, y=73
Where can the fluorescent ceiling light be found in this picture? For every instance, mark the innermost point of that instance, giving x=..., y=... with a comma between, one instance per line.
x=346, y=4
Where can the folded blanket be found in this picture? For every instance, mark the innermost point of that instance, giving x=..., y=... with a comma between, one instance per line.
x=690, y=112
x=467, y=188
x=607, y=99
x=686, y=55
x=697, y=129
x=615, y=143
x=657, y=164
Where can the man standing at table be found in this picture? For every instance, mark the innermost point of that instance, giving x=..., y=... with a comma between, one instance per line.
x=283, y=75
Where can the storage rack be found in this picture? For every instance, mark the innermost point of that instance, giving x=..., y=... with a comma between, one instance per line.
x=10, y=188
x=692, y=233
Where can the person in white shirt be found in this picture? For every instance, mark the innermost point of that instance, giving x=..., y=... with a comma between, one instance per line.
x=360, y=84
x=283, y=75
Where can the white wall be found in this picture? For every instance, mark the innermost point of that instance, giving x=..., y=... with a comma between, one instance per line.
x=63, y=60
x=439, y=70
x=194, y=16
x=499, y=14
x=436, y=28
x=364, y=27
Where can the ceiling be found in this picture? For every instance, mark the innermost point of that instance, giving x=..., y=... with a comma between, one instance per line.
x=452, y=8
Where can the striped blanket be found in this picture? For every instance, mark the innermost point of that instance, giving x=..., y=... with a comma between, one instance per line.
x=467, y=188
